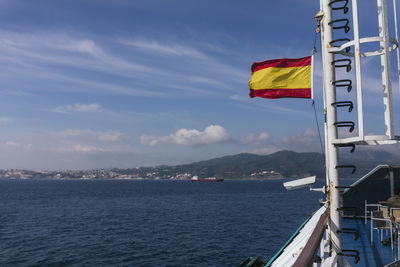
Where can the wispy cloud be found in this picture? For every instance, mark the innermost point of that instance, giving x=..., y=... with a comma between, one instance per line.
x=63, y=58
x=189, y=137
x=5, y=119
x=304, y=142
x=174, y=49
x=239, y=98
x=82, y=149
x=77, y=60
x=51, y=149
x=251, y=139
x=12, y=143
x=68, y=50
x=18, y=145
x=104, y=136
x=78, y=108
x=206, y=63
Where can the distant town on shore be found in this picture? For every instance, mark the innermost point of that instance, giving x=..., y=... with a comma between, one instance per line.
x=282, y=164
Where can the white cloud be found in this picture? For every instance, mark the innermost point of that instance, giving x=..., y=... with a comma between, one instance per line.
x=83, y=46
x=83, y=149
x=78, y=108
x=205, y=62
x=252, y=139
x=26, y=54
x=18, y=145
x=264, y=150
x=192, y=137
x=4, y=119
x=240, y=98
x=83, y=143
x=85, y=107
x=172, y=49
x=14, y=144
x=111, y=136
x=308, y=141
x=76, y=62
x=208, y=81
x=304, y=142
x=104, y=136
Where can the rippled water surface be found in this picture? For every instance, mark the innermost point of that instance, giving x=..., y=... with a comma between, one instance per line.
x=146, y=223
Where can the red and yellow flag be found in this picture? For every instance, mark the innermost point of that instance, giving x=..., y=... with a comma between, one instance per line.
x=280, y=78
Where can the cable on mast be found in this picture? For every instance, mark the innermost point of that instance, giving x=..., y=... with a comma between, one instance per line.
x=318, y=17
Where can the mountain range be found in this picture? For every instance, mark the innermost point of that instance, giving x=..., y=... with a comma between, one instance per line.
x=282, y=164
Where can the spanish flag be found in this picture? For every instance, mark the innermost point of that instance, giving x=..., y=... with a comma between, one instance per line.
x=279, y=78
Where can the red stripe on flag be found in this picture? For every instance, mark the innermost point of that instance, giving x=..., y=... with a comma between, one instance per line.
x=281, y=93
x=281, y=63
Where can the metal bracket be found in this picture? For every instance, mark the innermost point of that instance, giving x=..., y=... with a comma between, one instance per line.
x=347, y=65
x=345, y=26
x=345, y=124
x=348, y=84
x=353, y=146
x=346, y=187
x=344, y=104
x=347, y=166
x=355, y=254
x=350, y=231
x=350, y=209
x=321, y=189
x=318, y=17
x=344, y=7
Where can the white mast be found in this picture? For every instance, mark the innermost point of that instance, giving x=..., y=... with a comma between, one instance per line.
x=331, y=156
x=343, y=52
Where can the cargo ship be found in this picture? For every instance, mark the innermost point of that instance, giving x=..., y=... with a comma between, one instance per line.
x=208, y=179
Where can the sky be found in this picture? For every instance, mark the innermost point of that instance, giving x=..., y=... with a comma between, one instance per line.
x=121, y=84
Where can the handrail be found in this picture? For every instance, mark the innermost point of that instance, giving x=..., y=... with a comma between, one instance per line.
x=287, y=243
x=307, y=255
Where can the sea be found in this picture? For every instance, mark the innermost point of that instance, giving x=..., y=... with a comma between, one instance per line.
x=147, y=222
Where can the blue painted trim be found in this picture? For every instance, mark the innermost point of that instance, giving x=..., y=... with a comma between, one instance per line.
x=287, y=243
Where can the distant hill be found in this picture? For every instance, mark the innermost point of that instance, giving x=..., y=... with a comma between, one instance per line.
x=282, y=164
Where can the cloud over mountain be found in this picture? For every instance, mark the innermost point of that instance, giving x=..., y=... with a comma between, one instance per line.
x=189, y=137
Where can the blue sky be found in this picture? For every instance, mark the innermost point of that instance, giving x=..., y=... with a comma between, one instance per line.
x=100, y=84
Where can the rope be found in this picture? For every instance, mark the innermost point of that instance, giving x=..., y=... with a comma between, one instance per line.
x=314, y=50
x=318, y=19
x=319, y=132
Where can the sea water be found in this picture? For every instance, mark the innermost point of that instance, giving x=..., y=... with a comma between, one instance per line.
x=146, y=223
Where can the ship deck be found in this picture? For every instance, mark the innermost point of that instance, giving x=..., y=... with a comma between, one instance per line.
x=370, y=253
x=372, y=189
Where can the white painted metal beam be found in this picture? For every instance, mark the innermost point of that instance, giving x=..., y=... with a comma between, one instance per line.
x=385, y=67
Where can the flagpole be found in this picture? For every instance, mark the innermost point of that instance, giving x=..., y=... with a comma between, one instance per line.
x=312, y=75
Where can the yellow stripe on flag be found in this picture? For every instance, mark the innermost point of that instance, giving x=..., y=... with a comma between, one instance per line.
x=281, y=78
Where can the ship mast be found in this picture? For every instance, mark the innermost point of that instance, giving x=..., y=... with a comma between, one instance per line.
x=342, y=52
x=331, y=151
